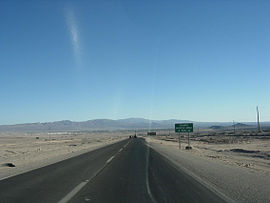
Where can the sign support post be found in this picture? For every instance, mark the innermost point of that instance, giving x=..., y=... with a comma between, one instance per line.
x=188, y=140
x=179, y=141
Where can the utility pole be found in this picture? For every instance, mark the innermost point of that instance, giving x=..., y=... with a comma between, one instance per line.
x=258, y=119
x=233, y=127
x=49, y=133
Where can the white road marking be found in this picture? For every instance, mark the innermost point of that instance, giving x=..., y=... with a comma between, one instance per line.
x=26, y=171
x=8, y=177
x=73, y=192
x=109, y=160
x=82, y=184
x=126, y=144
x=120, y=149
x=147, y=177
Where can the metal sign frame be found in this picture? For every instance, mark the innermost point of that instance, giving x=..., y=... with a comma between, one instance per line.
x=183, y=128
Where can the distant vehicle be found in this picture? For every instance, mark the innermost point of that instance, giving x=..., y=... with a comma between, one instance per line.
x=151, y=133
x=130, y=136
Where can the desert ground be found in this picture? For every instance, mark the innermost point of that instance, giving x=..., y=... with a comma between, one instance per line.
x=21, y=152
x=236, y=164
x=245, y=149
x=32, y=150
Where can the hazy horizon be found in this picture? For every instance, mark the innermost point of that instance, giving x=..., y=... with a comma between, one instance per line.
x=136, y=118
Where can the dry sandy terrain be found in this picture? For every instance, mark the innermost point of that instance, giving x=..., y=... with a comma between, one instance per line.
x=250, y=152
x=30, y=151
x=238, y=167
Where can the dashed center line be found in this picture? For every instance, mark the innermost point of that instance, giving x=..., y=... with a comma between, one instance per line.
x=109, y=160
x=73, y=192
x=82, y=184
x=126, y=144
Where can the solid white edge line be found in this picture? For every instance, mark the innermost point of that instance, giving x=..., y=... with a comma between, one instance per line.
x=8, y=177
x=205, y=183
x=147, y=176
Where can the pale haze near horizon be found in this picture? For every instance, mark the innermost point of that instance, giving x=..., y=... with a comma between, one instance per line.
x=82, y=60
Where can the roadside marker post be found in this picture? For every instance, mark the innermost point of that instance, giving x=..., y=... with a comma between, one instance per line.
x=179, y=141
x=181, y=128
x=188, y=140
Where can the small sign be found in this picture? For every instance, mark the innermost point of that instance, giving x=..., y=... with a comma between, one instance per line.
x=183, y=127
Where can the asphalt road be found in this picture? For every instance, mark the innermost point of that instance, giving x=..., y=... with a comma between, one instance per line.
x=127, y=171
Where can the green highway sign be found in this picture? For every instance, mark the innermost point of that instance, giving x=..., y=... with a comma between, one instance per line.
x=183, y=127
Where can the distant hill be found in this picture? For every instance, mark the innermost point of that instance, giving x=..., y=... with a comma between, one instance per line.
x=92, y=125
x=240, y=125
x=120, y=124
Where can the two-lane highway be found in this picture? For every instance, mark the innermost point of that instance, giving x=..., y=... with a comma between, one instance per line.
x=128, y=171
x=123, y=180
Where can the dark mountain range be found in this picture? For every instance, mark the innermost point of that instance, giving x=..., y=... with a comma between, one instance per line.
x=91, y=125
x=108, y=124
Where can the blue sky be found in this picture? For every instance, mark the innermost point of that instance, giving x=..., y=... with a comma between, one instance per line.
x=78, y=60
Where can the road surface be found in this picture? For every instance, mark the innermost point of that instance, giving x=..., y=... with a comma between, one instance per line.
x=127, y=171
